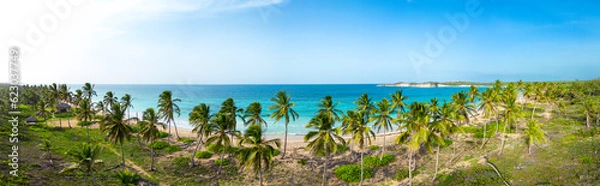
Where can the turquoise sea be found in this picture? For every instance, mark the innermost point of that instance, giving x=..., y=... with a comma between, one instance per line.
x=306, y=98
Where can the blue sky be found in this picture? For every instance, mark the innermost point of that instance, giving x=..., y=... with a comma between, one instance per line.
x=308, y=41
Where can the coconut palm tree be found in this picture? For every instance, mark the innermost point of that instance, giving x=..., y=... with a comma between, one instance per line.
x=328, y=108
x=126, y=101
x=510, y=113
x=473, y=93
x=86, y=158
x=356, y=124
x=47, y=148
x=78, y=96
x=324, y=139
x=167, y=108
x=535, y=135
x=54, y=93
x=282, y=108
x=149, y=130
x=113, y=124
x=200, y=120
x=109, y=100
x=444, y=125
x=257, y=152
x=489, y=107
x=383, y=120
x=398, y=102
x=364, y=105
x=42, y=110
x=85, y=114
x=89, y=91
x=252, y=115
x=463, y=105
x=220, y=133
x=65, y=93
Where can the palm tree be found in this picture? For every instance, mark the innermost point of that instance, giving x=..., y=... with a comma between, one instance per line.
x=282, y=108
x=383, y=119
x=364, y=105
x=473, y=93
x=464, y=108
x=231, y=112
x=54, y=93
x=510, y=113
x=126, y=101
x=42, y=110
x=398, y=102
x=534, y=134
x=489, y=107
x=78, y=96
x=252, y=115
x=220, y=133
x=149, y=130
x=200, y=120
x=109, y=100
x=100, y=107
x=46, y=146
x=167, y=107
x=328, y=108
x=117, y=130
x=88, y=89
x=257, y=152
x=445, y=126
x=356, y=124
x=86, y=159
x=323, y=139
x=85, y=114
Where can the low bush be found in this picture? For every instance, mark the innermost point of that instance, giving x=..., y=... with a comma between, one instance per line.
x=302, y=162
x=215, y=149
x=342, y=148
x=402, y=174
x=203, y=154
x=84, y=123
x=222, y=161
x=350, y=173
x=186, y=140
x=127, y=177
x=162, y=134
x=172, y=149
x=478, y=175
x=181, y=161
x=159, y=145
x=374, y=147
x=276, y=152
x=378, y=161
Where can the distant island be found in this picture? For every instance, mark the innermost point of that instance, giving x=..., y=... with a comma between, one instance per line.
x=435, y=84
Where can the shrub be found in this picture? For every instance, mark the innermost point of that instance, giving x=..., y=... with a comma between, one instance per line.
x=162, y=134
x=172, y=148
x=215, y=149
x=350, y=173
x=84, y=123
x=159, y=145
x=302, y=162
x=342, y=148
x=378, y=161
x=222, y=161
x=203, y=154
x=374, y=147
x=186, y=140
x=402, y=174
x=135, y=129
x=478, y=175
x=181, y=161
x=276, y=152
x=127, y=177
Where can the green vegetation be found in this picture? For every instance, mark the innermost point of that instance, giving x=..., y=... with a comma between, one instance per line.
x=203, y=154
x=351, y=173
x=159, y=145
x=378, y=161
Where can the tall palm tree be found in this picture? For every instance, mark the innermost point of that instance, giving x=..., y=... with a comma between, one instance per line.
x=65, y=93
x=220, y=133
x=257, y=152
x=114, y=126
x=149, y=130
x=383, y=120
x=109, y=99
x=364, y=105
x=200, y=120
x=78, y=96
x=398, y=102
x=356, y=124
x=54, y=93
x=85, y=114
x=473, y=93
x=282, y=108
x=463, y=105
x=167, y=108
x=328, y=108
x=126, y=101
x=100, y=107
x=42, y=110
x=232, y=112
x=510, y=114
x=534, y=134
x=86, y=159
x=88, y=89
x=252, y=115
x=323, y=139
x=444, y=125
x=489, y=107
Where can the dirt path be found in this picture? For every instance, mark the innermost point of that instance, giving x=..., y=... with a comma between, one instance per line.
x=129, y=162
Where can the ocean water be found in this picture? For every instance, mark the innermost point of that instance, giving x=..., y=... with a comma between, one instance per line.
x=306, y=98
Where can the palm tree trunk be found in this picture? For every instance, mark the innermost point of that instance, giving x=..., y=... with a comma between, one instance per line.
x=196, y=150
x=533, y=111
x=325, y=169
x=529, y=148
x=88, y=133
x=60, y=122
x=151, y=158
x=260, y=177
x=221, y=165
x=410, y=167
x=437, y=162
x=362, y=167
x=69, y=123
x=123, y=155
x=169, y=136
x=176, y=133
x=484, y=131
x=286, y=136
x=587, y=119
x=383, y=149
x=503, y=140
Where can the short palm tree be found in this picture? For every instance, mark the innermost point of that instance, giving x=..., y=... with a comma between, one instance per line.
x=323, y=139
x=282, y=108
x=149, y=130
x=85, y=114
x=252, y=115
x=220, y=133
x=535, y=135
x=356, y=124
x=383, y=120
x=257, y=152
x=398, y=102
x=167, y=108
x=42, y=110
x=114, y=126
x=126, y=101
x=200, y=120
x=47, y=148
x=86, y=159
